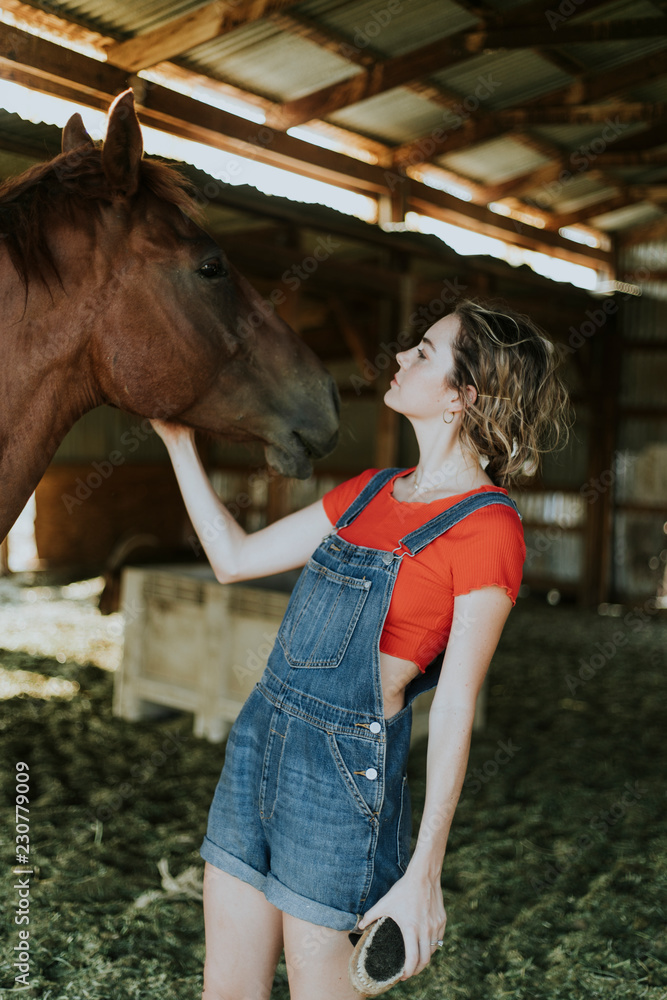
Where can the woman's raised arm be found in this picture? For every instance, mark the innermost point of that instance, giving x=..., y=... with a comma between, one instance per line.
x=233, y=553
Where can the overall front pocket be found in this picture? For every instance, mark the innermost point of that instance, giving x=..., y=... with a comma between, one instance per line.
x=321, y=616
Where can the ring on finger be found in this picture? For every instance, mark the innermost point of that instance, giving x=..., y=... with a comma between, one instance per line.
x=437, y=944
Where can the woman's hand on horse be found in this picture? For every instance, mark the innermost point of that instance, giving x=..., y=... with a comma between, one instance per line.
x=415, y=903
x=172, y=434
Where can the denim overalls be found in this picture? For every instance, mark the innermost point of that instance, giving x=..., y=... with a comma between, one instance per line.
x=312, y=807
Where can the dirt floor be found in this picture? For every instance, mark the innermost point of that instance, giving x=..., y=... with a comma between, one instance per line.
x=555, y=879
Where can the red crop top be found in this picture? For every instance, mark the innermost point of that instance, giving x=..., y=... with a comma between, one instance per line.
x=485, y=549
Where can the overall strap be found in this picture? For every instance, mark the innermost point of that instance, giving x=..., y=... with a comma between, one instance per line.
x=371, y=489
x=421, y=537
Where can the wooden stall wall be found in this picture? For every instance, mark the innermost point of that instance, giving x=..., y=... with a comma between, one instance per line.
x=640, y=468
x=110, y=484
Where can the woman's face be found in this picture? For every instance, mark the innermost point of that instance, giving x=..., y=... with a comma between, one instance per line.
x=420, y=389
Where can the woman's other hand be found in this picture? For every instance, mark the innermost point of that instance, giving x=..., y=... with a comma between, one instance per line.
x=415, y=903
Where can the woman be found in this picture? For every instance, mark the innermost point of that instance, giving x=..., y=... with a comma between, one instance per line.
x=309, y=830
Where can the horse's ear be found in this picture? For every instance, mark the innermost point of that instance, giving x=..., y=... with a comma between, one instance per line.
x=75, y=135
x=123, y=146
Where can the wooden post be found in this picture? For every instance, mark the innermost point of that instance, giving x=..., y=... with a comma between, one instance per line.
x=395, y=320
x=602, y=396
x=4, y=556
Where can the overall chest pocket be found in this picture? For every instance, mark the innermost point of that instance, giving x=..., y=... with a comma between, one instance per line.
x=321, y=616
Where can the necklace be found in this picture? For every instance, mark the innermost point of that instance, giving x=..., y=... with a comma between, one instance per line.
x=419, y=486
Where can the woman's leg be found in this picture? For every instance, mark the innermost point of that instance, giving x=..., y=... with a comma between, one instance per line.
x=244, y=939
x=317, y=959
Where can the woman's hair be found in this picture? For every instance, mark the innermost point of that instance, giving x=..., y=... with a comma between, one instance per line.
x=522, y=408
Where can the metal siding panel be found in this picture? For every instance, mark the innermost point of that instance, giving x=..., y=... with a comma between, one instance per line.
x=494, y=161
x=515, y=77
x=262, y=59
x=602, y=56
x=624, y=218
x=396, y=116
x=125, y=18
x=391, y=31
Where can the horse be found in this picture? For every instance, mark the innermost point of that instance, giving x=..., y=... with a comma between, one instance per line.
x=112, y=293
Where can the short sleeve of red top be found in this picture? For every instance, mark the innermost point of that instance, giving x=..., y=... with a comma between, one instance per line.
x=485, y=549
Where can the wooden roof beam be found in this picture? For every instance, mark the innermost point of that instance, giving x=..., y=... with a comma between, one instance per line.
x=655, y=230
x=185, y=32
x=581, y=215
x=582, y=114
x=439, y=204
x=585, y=92
x=446, y=52
x=53, y=69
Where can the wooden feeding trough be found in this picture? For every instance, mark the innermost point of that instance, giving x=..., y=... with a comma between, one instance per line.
x=195, y=645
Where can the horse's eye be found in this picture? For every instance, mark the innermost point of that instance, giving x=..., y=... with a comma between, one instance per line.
x=212, y=269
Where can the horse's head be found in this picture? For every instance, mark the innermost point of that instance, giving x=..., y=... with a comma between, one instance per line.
x=176, y=332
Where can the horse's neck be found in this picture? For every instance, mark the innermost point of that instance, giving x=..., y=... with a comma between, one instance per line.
x=42, y=392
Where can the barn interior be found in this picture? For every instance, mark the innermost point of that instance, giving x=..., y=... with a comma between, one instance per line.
x=363, y=164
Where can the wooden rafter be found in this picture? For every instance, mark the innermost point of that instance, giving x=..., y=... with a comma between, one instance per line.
x=49, y=67
x=588, y=91
x=441, y=205
x=184, y=33
x=542, y=113
x=341, y=44
x=581, y=114
x=592, y=209
x=655, y=230
x=447, y=52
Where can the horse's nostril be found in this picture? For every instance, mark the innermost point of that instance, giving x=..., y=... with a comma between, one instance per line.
x=304, y=444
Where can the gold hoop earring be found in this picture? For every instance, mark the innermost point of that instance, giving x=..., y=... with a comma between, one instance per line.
x=448, y=421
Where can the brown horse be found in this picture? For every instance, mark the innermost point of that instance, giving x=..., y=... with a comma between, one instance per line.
x=110, y=293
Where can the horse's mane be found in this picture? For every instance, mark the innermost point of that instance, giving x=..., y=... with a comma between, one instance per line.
x=70, y=186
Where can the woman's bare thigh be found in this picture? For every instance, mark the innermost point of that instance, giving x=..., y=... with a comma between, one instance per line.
x=244, y=939
x=317, y=959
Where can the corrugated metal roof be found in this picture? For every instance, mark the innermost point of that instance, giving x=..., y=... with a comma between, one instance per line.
x=123, y=17
x=289, y=64
x=43, y=139
x=578, y=193
x=494, y=161
x=618, y=10
x=624, y=218
x=604, y=56
x=587, y=139
x=395, y=117
x=654, y=91
x=391, y=27
x=508, y=76
x=268, y=60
